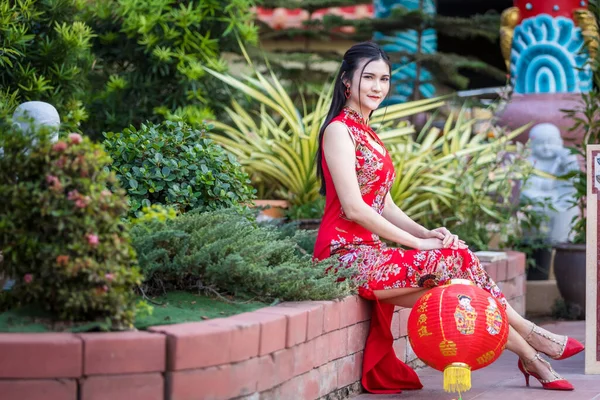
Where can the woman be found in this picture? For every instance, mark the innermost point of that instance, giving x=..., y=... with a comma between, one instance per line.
x=356, y=173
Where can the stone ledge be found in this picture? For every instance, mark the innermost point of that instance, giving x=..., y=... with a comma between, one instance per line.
x=303, y=349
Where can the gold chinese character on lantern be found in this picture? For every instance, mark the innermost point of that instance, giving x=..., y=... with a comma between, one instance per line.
x=422, y=319
x=422, y=308
x=486, y=358
x=422, y=331
x=448, y=348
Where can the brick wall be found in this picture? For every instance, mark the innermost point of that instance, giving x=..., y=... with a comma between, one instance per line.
x=302, y=350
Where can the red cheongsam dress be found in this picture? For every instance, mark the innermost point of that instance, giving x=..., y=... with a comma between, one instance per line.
x=379, y=267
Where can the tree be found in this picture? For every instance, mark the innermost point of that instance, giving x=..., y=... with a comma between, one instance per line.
x=150, y=58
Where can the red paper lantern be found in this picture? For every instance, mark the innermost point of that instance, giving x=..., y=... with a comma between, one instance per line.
x=458, y=328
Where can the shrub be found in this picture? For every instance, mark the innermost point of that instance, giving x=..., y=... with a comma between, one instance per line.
x=60, y=228
x=226, y=252
x=45, y=55
x=150, y=55
x=174, y=164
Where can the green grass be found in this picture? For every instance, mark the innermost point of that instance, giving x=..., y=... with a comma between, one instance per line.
x=175, y=308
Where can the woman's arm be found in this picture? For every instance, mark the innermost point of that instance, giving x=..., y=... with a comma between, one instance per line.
x=396, y=216
x=340, y=155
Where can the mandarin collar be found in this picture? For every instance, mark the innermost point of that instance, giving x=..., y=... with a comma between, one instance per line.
x=354, y=115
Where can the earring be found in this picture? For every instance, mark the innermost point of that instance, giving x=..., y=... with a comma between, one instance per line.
x=347, y=92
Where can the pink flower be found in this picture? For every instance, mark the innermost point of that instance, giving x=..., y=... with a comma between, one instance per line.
x=75, y=138
x=60, y=163
x=82, y=202
x=28, y=278
x=105, y=193
x=92, y=239
x=105, y=288
x=59, y=146
x=109, y=277
x=73, y=195
x=51, y=179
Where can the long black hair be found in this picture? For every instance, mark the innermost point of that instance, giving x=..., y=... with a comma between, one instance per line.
x=369, y=51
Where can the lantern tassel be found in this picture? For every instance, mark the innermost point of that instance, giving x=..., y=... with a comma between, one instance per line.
x=457, y=377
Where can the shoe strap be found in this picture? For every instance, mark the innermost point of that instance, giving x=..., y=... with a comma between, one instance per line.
x=536, y=329
x=538, y=356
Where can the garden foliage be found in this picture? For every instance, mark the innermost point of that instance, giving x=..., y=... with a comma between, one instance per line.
x=225, y=252
x=60, y=228
x=45, y=55
x=174, y=164
x=150, y=55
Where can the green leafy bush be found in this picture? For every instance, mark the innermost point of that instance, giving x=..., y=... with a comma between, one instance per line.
x=226, y=252
x=174, y=164
x=60, y=228
x=45, y=55
x=150, y=58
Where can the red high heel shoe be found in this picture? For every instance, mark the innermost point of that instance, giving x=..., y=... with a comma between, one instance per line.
x=568, y=347
x=558, y=383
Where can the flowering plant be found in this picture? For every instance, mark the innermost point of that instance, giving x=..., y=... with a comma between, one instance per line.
x=61, y=230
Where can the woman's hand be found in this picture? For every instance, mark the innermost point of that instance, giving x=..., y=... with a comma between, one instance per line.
x=448, y=239
x=430, y=244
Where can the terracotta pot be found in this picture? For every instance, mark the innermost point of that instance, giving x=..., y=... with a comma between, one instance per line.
x=271, y=208
x=569, y=269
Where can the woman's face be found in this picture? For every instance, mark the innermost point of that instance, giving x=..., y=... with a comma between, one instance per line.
x=369, y=88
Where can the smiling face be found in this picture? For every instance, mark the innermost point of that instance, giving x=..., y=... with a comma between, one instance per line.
x=370, y=85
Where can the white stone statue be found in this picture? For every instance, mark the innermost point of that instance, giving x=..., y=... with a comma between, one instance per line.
x=38, y=113
x=548, y=154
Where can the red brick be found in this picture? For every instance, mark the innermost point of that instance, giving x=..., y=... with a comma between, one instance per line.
x=400, y=348
x=38, y=389
x=365, y=308
x=40, y=355
x=305, y=386
x=404, y=314
x=314, y=325
x=517, y=261
x=214, y=383
x=304, y=357
x=123, y=387
x=123, y=352
x=275, y=369
x=349, y=369
x=272, y=330
x=338, y=343
x=395, y=327
x=518, y=303
x=331, y=315
x=492, y=270
x=297, y=320
x=196, y=344
x=509, y=288
x=501, y=270
x=245, y=337
x=351, y=311
x=322, y=349
x=327, y=378
x=521, y=285
x=357, y=336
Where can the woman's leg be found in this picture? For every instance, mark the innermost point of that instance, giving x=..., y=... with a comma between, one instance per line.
x=525, y=327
